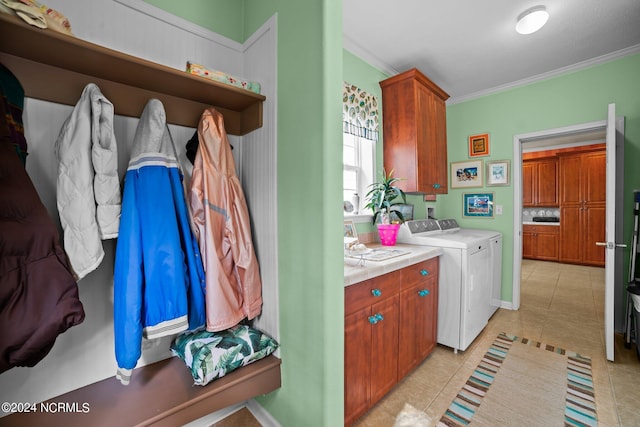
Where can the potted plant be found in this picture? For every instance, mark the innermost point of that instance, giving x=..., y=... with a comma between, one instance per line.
x=381, y=199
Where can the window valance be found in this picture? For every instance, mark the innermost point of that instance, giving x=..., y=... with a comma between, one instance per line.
x=360, y=113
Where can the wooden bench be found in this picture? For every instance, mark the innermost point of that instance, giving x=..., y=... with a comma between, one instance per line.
x=160, y=394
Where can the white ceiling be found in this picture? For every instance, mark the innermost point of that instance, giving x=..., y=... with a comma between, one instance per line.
x=470, y=48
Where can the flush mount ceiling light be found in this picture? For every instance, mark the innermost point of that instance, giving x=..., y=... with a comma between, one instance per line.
x=532, y=20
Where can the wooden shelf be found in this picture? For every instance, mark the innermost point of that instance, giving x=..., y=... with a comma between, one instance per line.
x=160, y=394
x=56, y=67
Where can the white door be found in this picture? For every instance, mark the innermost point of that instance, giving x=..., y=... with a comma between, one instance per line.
x=610, y=251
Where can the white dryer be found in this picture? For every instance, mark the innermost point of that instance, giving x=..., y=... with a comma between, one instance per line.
x=469, y=276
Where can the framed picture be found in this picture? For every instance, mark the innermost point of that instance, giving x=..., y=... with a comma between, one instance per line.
x=466, y=174
x=477, y=205
x=405, y=209
x=479, y=145
x=498, y=173
x=350, y=230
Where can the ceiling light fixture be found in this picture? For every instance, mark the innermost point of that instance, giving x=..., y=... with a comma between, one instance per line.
x=532, y=20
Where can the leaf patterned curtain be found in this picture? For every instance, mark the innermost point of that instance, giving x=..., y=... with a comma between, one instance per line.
x=360, y=114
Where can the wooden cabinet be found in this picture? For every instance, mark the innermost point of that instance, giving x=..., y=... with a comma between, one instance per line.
x=582, y=207
x=541, y=242
x=371, y=355
x=414, y=130
x=540, y=182
x=371, y=342
x=418, y=306
x=390, y=327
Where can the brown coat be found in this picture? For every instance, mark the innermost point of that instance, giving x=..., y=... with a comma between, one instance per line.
x=38, y=294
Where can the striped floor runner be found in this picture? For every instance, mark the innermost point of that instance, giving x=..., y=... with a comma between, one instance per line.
x=580, y=410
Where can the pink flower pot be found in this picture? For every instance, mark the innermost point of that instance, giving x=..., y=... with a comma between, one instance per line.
x=388, y=234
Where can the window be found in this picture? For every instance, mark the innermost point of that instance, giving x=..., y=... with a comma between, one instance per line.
x=360, y=119
x=358, y=168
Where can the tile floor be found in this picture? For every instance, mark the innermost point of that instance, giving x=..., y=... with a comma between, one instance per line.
x=562, y=305
x=240, y=418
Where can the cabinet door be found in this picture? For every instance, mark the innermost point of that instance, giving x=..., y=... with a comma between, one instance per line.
x=594, y=167
x=527, y=244
x=384, y=347
x=427, y=320
x=400, y=130
x=357, y=364
x=528, y=191
x=418, y=322
x=431, y=142
x=547, y=182
x=570, y=234
x=546, y=245
x=594, y=219
x=570, y=177
x=437, y=169
x=409, y=313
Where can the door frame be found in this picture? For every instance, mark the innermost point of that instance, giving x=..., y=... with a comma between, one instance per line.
x=518, y=141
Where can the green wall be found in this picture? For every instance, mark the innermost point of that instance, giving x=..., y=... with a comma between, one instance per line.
x=310, y=209
x=224, y=17
x=569, y=99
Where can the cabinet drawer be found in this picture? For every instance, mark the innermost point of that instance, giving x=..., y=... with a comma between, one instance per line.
x=419, y=272
x=550, y=229
x=371, y=291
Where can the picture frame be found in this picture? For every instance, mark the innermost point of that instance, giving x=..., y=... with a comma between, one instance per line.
x=477, y=205
x=498, y=173
x=479, y=145
x=350, y=234
x=467, y=174
x=350, y=229
x=405, y=209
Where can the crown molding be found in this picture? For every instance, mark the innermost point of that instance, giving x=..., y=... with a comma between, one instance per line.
x=545, y=76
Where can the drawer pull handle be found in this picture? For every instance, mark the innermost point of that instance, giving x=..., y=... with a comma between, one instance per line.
x=424, y=292
x=424, y=272
x=376, y=292
x=436, y=185
x=379, y=316
x=373, y=320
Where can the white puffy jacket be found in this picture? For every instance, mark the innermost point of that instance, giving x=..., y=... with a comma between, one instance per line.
x=88, y=190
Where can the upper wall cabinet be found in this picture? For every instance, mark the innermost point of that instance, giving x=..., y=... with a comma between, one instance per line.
x=415, y=134
x=540, y=182
x=56, y=67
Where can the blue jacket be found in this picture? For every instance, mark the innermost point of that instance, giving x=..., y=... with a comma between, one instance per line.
x=159, y=279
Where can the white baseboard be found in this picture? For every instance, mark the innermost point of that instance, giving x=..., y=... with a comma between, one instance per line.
x=261, y=414
x=214, y=417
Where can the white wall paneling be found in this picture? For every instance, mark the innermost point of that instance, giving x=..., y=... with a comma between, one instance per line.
x=259, y=170
x=85, y=353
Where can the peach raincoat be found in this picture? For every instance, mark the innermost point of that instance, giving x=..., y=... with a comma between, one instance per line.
x=222, y=227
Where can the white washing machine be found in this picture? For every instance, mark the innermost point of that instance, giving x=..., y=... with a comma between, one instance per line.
x=470, y=276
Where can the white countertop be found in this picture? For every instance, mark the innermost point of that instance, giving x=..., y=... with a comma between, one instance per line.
x=541, y=223
x=356, y=271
